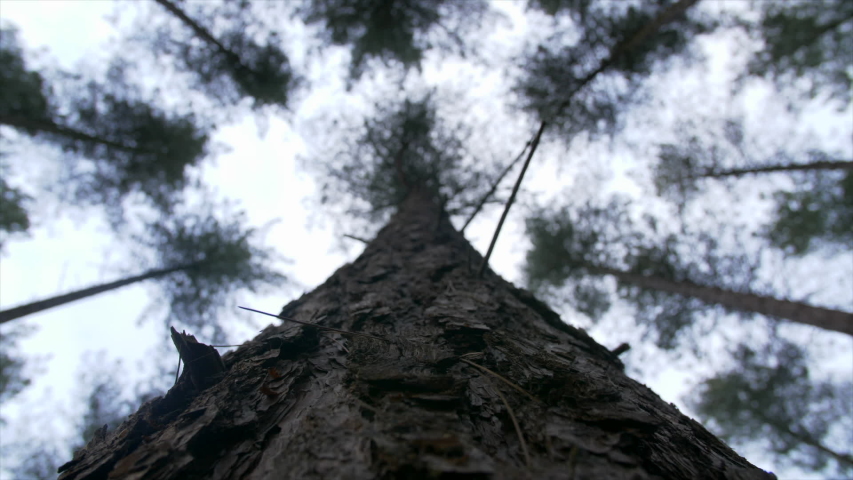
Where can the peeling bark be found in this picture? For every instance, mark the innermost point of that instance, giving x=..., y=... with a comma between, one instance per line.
x=425, y=402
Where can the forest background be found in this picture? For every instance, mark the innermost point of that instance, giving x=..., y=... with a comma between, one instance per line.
x=633, y=169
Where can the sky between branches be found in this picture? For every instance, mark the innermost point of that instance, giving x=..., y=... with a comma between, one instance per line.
x=74, y=249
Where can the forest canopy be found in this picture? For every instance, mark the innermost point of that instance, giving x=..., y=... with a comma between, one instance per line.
x=687, y=188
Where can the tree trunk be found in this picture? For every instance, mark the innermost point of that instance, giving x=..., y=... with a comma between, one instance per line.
x=39, y=305
x=202, y=33
x=783, y=429
x=474, y=378
x=796, y=167
x=799, y=312
x=48, y=126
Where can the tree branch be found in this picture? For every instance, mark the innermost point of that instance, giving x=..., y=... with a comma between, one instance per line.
x=512, y=198
x=494, y=187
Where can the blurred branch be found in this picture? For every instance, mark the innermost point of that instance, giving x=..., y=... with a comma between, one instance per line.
x=512, y=198
x=494, y=187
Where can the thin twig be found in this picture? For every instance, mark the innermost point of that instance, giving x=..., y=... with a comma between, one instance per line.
x=623, y=47
x=511, y=198
x=572, y=462
x=319, y=327
x=343, y=347
x=178, y=372
x=622, y=348
x=499, y=377
x=517, y=428
x=356, y=238
x=494, y=187
x=620, y=49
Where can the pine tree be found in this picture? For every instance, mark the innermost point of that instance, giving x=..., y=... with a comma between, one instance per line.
x=12, y=377
x=14, y=218
x=817, y=212
x=769, y=396
x=411, y=361
x=201, y=262
x=40, y=305
x=806, y=47
x=100, y=382
x=228, y=67
x=571, y=244
x=440, y=368
x=395, y=32
x=445, y=373
x=127, y=145
x=587, y=86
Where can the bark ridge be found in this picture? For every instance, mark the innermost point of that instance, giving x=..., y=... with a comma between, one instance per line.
x=297, y=403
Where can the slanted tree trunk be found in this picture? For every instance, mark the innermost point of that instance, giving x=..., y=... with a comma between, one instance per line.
x=826, y=318
x=202, y=33
x=473, y=378
x=39, y=305
x=796, y=167
x=796, y=432
x=50, y=127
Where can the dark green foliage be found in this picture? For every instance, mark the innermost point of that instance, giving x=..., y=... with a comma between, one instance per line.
x=574, y=247
x=12, y=379
x=582, y=86
x=679, y=168
x=103, y=401
x=567, y=241
x=704, y=149
x=230, y=66
x=669, y=41
x=13, y=213
x=768, y=396
x=39, y=461
x=404, y=145
x=100, y=392
x=818, y=213
x=23, y=93
x=577, y=8
x=394, y=30
x=225, y=259
x=566, y=244
x=127, y=145
x=143, y=150
x=806, y=41
x=549, y=91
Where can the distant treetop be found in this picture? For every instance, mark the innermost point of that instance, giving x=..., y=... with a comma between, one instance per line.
x=398, y=31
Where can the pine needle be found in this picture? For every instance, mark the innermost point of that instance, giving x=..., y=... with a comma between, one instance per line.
x=319, y=327
x=499, y=377
x=517, y=428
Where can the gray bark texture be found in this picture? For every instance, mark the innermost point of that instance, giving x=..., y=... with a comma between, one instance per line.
x=470, y=378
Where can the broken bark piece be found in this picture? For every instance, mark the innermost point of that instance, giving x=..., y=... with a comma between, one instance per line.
x=202, y=363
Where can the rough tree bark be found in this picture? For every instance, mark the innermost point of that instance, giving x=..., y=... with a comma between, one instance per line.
x=465, y=360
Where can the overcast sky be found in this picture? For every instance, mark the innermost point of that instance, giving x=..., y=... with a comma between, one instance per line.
x=69, y=251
